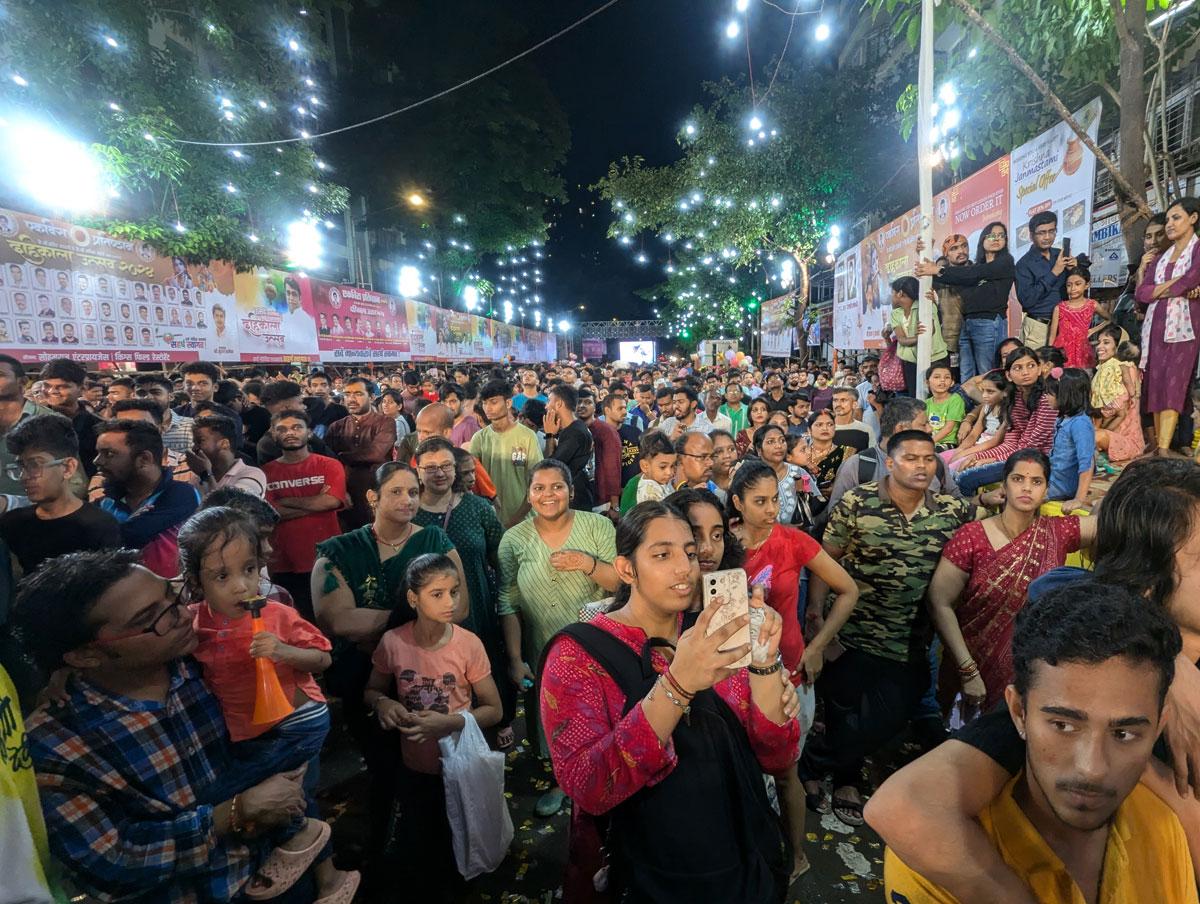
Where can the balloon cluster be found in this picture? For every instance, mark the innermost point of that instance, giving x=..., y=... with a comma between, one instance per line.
x=738, y=359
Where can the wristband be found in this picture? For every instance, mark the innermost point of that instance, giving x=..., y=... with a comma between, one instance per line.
x=766, y=670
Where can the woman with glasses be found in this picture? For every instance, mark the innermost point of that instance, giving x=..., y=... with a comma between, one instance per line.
x=471, y=523
x=984, y=287
x=551, y=565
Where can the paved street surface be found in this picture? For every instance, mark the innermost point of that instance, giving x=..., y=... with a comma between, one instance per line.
x=847, y=863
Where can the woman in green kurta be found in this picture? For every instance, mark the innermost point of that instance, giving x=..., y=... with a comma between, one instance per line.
x=551, y=564
x=475, y=531
x=356, y=584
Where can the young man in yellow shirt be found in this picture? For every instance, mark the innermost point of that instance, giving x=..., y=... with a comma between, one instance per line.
x=1092, y=664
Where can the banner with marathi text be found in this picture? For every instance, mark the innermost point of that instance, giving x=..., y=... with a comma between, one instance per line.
x=70, y=291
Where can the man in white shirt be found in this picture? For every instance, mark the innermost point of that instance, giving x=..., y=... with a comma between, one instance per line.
x=712, y=410
x=845, y=424
x=688, y=416
x=298, y=326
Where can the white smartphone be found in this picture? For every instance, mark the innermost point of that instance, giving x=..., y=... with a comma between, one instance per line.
x=730, y=585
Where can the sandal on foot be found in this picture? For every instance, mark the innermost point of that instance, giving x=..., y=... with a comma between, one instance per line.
x=798, y=871
x=849, y=812
x=345, y=892
x=504, y=738
x=282, y=869
x=816, y=801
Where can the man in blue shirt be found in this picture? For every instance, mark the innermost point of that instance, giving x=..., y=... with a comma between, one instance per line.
x=1041, y=277
x=147, y=502
x=129, y=766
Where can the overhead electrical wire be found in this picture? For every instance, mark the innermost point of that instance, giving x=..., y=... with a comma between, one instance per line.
x=406, y=109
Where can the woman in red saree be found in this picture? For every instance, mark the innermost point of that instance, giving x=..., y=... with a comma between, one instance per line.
x=984, y=574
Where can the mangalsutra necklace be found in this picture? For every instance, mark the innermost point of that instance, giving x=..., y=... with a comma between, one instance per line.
x=395, y=547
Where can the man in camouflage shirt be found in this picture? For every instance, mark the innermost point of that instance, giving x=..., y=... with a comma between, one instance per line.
x=888, y=535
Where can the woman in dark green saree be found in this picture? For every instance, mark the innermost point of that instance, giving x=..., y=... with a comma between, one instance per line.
x=356, y=584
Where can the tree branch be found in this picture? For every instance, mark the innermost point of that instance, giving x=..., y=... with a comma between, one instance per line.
x=1136, y=196
x=1111, y=92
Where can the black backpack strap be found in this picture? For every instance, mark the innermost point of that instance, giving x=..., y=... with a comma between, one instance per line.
x=868, y=465
x=623, y=665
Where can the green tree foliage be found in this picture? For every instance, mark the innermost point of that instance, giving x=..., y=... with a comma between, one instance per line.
x=1073, y=44
x=166, y=75
x=740, y=200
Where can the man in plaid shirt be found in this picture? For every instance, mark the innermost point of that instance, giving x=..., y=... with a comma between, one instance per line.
x=123, y=768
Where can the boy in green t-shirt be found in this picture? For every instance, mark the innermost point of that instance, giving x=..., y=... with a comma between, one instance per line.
x=946, y=409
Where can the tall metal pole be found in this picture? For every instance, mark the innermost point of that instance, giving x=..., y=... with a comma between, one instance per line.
x=925, y=308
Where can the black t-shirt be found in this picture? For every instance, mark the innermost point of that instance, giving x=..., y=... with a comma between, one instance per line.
x=853, y=437
x=85, y=424
x=33, y=539
x=574, y=450
x=784, y=403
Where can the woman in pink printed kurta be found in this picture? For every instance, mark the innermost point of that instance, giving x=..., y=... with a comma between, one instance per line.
x=628, y=710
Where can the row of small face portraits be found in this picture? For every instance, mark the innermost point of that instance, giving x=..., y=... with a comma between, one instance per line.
x=31, y=278
x=43, y=305
x=50, y=332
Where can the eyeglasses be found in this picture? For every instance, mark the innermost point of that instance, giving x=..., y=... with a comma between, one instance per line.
x=175, y=609
x=998, y=236
x=32, y=468
x=708, y=457
x=1053, y=230
x=438, y=469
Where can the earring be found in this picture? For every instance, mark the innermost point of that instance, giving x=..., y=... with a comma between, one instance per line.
x=1021, y=732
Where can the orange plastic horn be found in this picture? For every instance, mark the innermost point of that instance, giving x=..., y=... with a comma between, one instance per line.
x=270, y=702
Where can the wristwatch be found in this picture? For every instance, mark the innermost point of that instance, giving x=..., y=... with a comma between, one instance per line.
x=768, y=669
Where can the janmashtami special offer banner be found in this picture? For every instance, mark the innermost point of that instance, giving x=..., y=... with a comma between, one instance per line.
x=69, y=291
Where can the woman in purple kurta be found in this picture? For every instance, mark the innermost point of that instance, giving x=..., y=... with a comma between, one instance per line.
x=1171, y=331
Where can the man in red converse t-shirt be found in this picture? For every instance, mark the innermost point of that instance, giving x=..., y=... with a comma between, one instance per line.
x=308, y=491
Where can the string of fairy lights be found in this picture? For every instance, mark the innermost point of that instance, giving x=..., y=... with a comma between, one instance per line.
x=61, y=173
x=692, y=267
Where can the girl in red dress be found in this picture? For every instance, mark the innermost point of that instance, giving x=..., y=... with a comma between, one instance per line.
x=1072, y=321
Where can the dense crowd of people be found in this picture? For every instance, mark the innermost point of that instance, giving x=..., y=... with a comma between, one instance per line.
x=195, y=564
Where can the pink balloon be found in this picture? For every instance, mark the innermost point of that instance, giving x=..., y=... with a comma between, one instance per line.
x=730, y=354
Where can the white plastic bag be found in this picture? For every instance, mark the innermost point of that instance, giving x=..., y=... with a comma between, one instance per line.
x=473, y=775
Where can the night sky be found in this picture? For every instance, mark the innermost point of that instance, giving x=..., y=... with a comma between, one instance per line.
x=627, y=79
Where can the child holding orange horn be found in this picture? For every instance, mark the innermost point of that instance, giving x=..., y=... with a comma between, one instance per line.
x=220, y=552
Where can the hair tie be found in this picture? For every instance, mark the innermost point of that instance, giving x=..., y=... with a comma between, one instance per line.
x=1056, y=372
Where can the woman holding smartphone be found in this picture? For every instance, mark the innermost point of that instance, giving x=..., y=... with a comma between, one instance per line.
x=776, y=555
x=695, y=725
